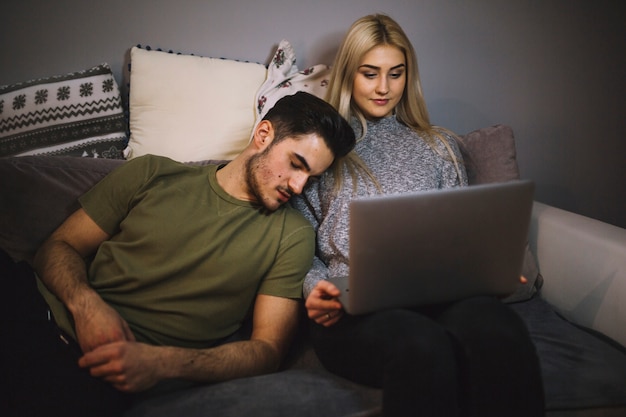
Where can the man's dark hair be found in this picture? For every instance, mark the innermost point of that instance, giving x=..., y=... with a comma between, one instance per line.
x=303, y=113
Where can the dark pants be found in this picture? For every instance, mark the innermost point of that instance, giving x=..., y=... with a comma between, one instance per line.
x=470, y=358
x=39, y=370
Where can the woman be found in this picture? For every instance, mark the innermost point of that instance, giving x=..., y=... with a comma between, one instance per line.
x=472, y=357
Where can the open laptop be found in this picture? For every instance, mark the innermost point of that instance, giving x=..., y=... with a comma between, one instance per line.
x=423, y=248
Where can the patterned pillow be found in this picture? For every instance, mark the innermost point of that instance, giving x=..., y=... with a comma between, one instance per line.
x=284, y=78
x=78, y=114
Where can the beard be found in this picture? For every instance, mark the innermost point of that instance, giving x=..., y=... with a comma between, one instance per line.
x=256, y=165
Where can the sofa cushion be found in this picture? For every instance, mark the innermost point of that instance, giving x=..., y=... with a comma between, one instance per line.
x=580, y=369
x=289, y=393
x=38, y=193
x=77, y=114
x=190, y=108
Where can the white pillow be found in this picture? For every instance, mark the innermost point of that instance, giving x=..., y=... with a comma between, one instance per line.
x=190, y=108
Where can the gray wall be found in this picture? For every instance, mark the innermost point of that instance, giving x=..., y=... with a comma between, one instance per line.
x=554, y=69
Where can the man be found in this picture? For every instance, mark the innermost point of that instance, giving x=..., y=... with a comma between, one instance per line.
x=182, y=256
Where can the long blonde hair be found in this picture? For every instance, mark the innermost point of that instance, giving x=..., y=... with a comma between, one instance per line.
x=366, y=33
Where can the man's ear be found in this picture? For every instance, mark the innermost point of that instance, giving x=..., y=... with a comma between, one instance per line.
x=263, y=134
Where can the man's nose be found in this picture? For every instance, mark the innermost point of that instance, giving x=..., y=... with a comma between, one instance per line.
x=297, y=183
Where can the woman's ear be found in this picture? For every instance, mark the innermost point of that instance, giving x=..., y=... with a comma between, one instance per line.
x=263, y=134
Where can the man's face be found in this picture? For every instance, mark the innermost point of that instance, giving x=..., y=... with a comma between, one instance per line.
x=283, y=169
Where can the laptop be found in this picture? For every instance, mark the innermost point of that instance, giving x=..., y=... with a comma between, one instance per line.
x=425, y=248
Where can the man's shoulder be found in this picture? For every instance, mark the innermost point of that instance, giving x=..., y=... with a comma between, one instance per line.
x=295, y=220
x=153, y=160
x=162, y=164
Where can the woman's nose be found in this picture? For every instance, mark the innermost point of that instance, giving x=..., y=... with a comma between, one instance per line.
x=382, y=87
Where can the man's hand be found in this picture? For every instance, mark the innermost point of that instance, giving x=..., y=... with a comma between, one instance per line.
x=322, y=305
x=128, y=366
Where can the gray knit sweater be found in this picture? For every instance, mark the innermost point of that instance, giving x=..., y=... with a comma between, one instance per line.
x=400, y=160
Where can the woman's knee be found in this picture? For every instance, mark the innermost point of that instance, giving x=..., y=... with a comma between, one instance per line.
x=487, y=328
x=412, y=341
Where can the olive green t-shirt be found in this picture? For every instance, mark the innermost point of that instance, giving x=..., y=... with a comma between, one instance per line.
x=185, y=259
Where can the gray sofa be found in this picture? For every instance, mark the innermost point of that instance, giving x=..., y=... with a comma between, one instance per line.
x=574, y=307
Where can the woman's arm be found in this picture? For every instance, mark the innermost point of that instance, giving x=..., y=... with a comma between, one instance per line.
x=308, y=204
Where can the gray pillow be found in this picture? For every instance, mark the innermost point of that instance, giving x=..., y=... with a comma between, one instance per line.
x=489, y=156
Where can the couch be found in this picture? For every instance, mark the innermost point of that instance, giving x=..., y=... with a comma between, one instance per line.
x=573, y=304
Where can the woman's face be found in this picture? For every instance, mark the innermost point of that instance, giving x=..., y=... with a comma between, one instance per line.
x=379, y=81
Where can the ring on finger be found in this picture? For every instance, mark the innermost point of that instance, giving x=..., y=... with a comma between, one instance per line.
x=328, y=316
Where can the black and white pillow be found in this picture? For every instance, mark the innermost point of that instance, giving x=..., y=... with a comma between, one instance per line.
x=77, y=114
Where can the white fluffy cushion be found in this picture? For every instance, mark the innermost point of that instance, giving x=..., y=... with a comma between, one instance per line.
x=191, y=108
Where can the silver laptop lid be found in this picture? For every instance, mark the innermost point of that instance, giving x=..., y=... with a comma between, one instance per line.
x=435, y=246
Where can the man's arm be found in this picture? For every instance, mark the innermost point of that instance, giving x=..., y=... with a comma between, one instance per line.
x=61, y=267
x=275, y=321
x=135, y=367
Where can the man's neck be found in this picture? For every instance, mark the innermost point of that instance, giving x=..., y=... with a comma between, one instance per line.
x=232, y=179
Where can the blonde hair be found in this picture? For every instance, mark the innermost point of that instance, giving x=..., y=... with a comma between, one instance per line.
x=366, y=33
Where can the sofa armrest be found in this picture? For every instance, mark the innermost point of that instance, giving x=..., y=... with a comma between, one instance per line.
x=583, y=263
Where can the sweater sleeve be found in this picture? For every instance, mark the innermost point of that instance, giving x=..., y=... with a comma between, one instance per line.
x=309, y=205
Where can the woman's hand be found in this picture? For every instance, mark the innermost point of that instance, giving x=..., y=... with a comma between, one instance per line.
x=322, y=304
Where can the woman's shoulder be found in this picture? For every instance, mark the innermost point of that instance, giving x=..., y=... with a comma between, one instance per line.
x=444, y=134
x=449, y=134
